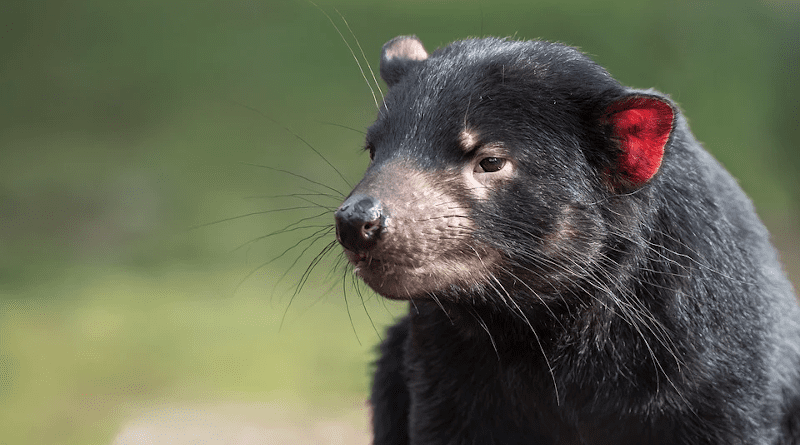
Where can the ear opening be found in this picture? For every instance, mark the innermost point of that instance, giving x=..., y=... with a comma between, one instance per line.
x=399, y=55
x=640, y=127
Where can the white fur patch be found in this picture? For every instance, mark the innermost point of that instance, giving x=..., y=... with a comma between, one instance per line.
x=408, y=48
x=468, y=139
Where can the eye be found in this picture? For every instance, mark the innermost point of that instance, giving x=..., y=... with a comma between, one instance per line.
x=371, y=149
x=491, y=164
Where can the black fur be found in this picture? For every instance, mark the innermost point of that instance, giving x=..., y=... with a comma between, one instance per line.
x=599, y=310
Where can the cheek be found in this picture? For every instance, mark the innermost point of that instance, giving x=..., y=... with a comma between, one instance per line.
x=475, y=188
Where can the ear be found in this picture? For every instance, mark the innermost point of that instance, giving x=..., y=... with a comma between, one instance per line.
x=399, y=55
x=639, y=126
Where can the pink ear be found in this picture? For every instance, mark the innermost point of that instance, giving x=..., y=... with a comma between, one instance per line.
x=641, y=125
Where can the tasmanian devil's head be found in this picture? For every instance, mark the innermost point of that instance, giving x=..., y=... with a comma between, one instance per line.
x=499, y=167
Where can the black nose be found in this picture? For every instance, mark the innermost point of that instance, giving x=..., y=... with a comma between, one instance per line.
x=359, y=222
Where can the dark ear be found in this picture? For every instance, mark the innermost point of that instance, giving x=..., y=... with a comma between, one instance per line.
x=638, y=127
x=398, y=55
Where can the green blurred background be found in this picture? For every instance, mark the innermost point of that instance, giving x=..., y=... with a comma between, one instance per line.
x=125, y=125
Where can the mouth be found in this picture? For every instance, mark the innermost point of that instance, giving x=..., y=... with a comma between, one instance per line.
x=391, y=279
x=365, y=261
x=407, y=281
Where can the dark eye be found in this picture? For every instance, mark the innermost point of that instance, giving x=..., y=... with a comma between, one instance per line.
x=492, y=164
x=371, y=149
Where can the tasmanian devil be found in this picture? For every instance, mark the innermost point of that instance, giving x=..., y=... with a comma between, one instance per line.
x=578, y=269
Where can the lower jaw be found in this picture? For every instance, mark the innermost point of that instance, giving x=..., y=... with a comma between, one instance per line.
x=405, y=282
x=387, y=288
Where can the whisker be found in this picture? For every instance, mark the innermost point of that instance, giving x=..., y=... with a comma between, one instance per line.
x=347, y=307
x=314, y=235
x=246, y=215
x=286, y=229
x=364, y=56
x=295, y=175
x=360, y=68
x=304, y=278
x=334, y=124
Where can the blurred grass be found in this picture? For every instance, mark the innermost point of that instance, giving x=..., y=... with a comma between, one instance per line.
x=125, y=124
x=79, y=358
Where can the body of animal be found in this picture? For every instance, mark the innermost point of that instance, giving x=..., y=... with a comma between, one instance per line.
x=578, y=269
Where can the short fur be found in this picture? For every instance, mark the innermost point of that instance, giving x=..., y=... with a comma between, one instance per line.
x=573, y=278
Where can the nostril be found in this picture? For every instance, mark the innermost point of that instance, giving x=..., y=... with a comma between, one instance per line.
x=359, y=222
x=371, y=229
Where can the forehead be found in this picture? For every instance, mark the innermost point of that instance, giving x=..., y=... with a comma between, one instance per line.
x=463, y=97
x=495, y=74
x=523, y=95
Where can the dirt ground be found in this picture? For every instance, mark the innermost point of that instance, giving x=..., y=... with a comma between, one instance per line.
x=243, y=424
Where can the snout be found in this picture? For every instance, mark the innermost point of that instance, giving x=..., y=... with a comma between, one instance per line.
x=408, y=234
x=360, y=220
